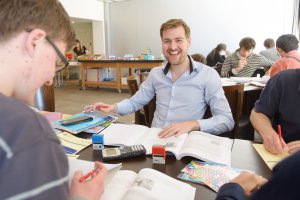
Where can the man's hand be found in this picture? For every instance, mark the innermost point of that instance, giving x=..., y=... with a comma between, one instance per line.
x=101, y=107
x=179, y=128
x=273, y=144
x=242, y=63
x=91, y=189
x=294, y=146
x=249, y=182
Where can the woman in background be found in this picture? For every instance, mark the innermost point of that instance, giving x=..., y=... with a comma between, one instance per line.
x=217, y=55
x=78, y=49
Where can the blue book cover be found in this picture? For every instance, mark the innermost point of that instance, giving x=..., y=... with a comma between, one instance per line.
x=77, y=128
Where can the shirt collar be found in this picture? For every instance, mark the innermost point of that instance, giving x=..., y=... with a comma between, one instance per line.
x=193, y=66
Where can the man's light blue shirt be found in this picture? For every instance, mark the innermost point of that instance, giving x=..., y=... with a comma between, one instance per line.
x=186, y=99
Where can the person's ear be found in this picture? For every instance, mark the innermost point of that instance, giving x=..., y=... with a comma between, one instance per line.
x=34, y=38
x=189, y=42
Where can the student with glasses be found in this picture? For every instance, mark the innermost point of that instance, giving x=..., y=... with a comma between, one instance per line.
x=33, y=165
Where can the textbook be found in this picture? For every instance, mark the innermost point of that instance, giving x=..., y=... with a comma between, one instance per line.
x=97, y=129
x=197, y=144
x=77, y=128
x=148, y=184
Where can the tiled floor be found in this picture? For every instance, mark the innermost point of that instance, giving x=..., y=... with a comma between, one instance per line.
x=70, y=99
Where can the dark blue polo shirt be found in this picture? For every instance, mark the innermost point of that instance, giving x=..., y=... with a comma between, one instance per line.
x=280, y=101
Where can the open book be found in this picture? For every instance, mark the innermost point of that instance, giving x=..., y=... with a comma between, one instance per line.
x=197, y=144
x=147, y=184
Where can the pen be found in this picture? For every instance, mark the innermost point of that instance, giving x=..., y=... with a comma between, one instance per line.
x=280, y=134
x=92, y=172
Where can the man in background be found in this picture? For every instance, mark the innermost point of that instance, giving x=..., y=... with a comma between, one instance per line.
x=271, y=52
x=287, y=46
x=243, y=62
x=183, y=88
x=33, y=165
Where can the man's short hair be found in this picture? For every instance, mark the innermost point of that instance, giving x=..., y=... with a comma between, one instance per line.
x=247, y=43
x=269, y=43
x=287, y=43
x=174, y=23
x=24, y=15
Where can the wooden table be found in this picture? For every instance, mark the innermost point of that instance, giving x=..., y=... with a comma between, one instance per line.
x=118, y=64
x=243, y=156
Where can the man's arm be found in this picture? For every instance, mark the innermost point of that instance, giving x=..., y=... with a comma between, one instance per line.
x=263, y=125
x=265, y=62
x=226, y=68
x=221, y=120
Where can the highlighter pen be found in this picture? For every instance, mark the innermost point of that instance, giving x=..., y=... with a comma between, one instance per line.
x=92, y=172
x=280, y=134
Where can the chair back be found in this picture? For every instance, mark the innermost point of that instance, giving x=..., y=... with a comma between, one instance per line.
x=44, y=98
x=218, y=67
x=144, y=117
x=234, y=95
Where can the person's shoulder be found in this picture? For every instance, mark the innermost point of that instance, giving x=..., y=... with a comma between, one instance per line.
x=18, y=114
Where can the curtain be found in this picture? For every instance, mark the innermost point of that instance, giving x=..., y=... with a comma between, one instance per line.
x=296, y=19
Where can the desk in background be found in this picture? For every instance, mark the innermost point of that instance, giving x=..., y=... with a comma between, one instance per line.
x=243, y=156
x=118, y=65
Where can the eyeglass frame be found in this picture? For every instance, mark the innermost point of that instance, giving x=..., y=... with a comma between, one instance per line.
x=58, y=52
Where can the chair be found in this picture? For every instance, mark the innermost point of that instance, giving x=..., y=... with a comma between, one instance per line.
x=235, y=95
x=139, y=117
x=218, y=67
x=145, y=115
x=44, y=98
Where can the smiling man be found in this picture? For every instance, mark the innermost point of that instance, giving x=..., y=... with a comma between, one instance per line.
x=183, y=88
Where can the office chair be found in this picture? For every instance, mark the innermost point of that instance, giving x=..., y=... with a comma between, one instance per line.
x=44, y=98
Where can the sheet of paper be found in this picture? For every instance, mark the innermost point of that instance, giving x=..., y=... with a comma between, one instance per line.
x=87, y=166
x=123, y=134
x=270, y=159
x=71, y=143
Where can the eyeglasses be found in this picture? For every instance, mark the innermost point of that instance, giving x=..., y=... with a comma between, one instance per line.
x=58, y=52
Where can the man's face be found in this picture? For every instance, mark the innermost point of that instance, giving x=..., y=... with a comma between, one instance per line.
x=41, y=71
x=245, y=53
x=175, y=45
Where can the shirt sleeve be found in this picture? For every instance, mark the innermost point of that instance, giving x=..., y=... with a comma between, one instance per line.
x=269, y=99
x=227, y=67
x=221, y=120
x=264, y=62
x=139, y=99
x=231, y=191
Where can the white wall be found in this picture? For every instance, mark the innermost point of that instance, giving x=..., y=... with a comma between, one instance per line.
x=134, y=25
x=84, y=9
x=85, y=34
x=98, y=37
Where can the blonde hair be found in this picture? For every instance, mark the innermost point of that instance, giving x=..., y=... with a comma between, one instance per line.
x=174, y=23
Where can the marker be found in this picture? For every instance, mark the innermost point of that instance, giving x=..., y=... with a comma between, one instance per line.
x=280, y=134
x=102, y=106
x=83, y=178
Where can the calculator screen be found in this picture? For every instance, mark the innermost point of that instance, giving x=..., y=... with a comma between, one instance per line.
x=110, y=152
